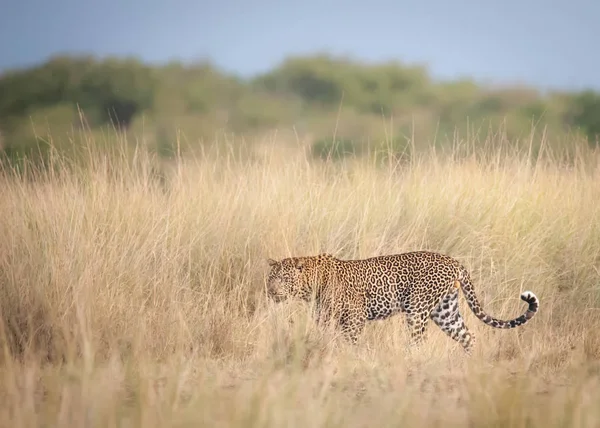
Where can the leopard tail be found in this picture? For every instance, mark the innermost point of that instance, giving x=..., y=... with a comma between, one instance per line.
x=469, y=292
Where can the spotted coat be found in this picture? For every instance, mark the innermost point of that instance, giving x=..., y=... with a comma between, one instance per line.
x=420, y=284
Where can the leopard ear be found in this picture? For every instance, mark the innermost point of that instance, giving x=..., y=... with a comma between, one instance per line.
x=300, y=264
x=272, y=262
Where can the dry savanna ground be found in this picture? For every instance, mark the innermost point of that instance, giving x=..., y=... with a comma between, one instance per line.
x=132, y=292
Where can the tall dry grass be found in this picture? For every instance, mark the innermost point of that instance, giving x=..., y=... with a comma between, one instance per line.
x=132, y=293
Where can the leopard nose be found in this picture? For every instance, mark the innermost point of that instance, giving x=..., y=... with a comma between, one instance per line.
x=270, y=289
x=273, y=292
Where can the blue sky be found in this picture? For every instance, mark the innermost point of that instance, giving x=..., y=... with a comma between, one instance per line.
x=507, y=41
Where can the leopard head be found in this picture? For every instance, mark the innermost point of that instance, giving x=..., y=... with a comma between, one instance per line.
x=295, y=277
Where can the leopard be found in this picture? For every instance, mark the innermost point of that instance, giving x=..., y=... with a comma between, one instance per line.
x=423, y=285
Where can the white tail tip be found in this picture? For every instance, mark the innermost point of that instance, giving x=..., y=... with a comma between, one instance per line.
x=528, y=296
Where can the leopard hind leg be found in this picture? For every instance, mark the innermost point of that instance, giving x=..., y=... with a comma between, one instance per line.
x=447, y=317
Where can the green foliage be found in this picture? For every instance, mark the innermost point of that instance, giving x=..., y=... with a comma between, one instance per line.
x=330, y=81
x=261, y=110
x=114, y=90
x=335, y=149
x=312, y=79
x=118, y=89
x=585, y=114
x=32, y=137
x=197, y=88
x=395, y=150
x=313, y=95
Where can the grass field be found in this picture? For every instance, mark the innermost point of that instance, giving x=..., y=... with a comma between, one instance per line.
x=132, y=292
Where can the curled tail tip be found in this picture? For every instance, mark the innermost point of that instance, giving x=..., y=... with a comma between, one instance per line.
x=531, y=298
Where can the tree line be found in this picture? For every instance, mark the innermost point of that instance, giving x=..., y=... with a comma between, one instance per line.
x=314, y=94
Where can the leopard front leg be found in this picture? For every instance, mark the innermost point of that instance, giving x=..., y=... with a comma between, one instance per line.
x=353, y=316
x=345, y=312
x=319, y=314
x=352, y=325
